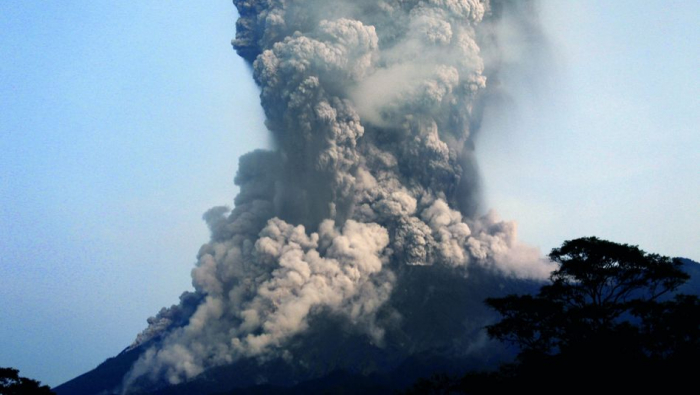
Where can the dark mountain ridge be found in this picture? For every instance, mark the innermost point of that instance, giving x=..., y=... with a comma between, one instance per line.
x=436, y=316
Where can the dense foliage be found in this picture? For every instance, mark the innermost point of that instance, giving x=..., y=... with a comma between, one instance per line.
x=609, y=318
x=11, y=383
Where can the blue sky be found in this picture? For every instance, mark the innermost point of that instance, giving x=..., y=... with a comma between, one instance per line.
x=610, y=145
x=121, y=123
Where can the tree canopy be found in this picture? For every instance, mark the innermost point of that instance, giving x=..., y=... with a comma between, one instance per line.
x=11, y=383
x=609, y=313
x=610, y=318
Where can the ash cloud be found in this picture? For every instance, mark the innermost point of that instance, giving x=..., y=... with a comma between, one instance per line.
x=372, y=105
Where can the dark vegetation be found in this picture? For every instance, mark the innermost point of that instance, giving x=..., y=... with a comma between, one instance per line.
x=11, y=383
x=610, y=319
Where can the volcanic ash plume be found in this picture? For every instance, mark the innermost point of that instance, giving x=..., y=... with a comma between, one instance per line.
x=370, y=104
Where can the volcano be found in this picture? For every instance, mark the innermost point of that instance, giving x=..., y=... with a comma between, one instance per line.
x=357, y=253
x=441, y=332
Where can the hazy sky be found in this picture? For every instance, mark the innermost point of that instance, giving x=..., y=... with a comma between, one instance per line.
x=122, y=122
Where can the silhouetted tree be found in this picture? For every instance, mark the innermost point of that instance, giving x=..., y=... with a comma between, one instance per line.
x=609, y=319
x=12, y=384
x=607, y=315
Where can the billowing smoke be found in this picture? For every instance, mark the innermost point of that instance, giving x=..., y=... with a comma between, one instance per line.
x=373, y=107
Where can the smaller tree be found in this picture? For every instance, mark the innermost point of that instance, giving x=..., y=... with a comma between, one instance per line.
x=12, y=384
